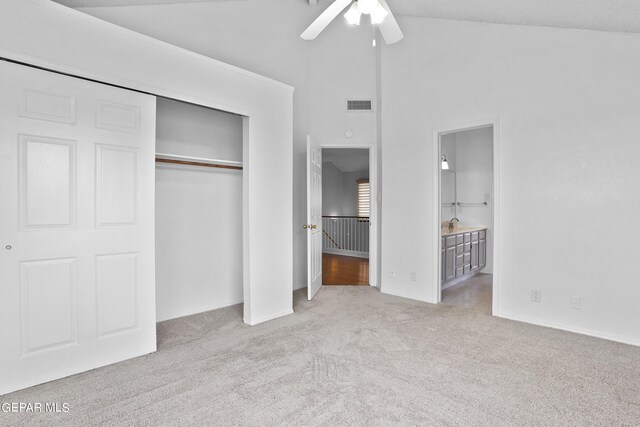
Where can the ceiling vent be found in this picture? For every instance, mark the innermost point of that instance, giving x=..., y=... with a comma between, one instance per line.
x=359, y=105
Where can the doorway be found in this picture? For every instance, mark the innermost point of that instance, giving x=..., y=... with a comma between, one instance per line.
x=346, y=216
x=466, y=193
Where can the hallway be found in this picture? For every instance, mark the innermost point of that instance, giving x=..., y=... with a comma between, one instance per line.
x=344, y=270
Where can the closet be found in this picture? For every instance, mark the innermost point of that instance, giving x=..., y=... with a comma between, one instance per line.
x=198, y=202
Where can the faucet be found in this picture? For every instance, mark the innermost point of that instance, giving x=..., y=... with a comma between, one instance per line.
x=451, y=226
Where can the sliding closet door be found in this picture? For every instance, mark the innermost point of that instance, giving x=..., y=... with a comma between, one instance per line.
x=76, y=225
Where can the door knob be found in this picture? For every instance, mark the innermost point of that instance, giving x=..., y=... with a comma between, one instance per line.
x=305, y=226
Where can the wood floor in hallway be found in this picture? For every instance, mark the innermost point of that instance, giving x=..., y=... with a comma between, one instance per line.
x=344, y=270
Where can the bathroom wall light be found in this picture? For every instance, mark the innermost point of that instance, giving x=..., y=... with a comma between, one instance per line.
x=445, y=164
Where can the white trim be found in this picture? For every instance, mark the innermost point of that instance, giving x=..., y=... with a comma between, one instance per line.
x=202, y=309
x=409, y=296
x=373, y=217
x=268, y=317
x=572, y=329
x=299, y=286
x=437, y=224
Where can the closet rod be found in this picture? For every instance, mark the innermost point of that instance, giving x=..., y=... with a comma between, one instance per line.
x=197, y=161
x=188, y=163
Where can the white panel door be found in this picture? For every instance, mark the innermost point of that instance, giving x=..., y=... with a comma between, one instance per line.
x=77, y=282
x=314, y=218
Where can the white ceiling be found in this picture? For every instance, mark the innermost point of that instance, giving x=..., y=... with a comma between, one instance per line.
x=605, y=15
x=347, y=159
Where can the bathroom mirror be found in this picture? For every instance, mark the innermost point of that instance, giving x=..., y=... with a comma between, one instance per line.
x=448, y=194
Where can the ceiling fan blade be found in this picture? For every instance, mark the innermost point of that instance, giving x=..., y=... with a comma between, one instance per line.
x=324, y=19
x=389, y=28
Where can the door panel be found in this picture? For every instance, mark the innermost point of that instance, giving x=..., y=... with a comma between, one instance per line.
x=76, y=226
x=314, y=218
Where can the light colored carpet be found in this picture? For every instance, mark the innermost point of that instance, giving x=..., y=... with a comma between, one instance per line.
x=354, y=356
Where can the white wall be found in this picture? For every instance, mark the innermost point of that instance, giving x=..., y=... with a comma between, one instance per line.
x=198, y=212
x=69, y=41
x=332, y=186
x=474, y=181
x=340, y=190
x=568, y=103
x=264, y=36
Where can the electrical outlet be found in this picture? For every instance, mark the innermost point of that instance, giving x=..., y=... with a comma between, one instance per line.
x=536, y=295
x=574, y=303
x=413, y=276
x=392, y=274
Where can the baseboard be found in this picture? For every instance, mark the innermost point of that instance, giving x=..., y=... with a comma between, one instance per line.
x=573, y=329
x=268, y=317
x=300, y=286
x=407, y=295
x=188, y=312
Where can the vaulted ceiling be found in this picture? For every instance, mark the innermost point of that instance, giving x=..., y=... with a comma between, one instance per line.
x=604, y=15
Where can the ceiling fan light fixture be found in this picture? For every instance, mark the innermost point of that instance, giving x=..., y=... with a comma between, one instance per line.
x=353, y=14
x=378, y=14
x=367, y=6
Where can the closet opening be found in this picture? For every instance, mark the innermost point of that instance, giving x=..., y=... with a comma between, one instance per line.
x=199, y=209
x=467, y=230
x=346, y=216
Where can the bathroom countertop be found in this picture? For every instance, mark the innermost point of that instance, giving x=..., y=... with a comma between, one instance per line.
x=445, y=231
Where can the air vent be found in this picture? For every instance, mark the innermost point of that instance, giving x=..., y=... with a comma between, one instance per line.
x=359, y=105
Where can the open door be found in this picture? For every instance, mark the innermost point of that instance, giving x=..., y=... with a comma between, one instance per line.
x=314, y=218
x=76, y=226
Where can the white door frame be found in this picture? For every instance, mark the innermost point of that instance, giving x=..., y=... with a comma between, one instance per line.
x=437, y=203
x=373, y=217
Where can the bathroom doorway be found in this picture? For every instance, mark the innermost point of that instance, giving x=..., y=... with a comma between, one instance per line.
x=467, y=197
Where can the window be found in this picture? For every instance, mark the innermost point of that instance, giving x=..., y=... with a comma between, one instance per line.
x=364, y=197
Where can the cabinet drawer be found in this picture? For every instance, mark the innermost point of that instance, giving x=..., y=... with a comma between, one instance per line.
x=458, y=239
x=459, y=260
x=474, y=236
x=467, y=247
x=467, y=259
x=451, y=241
x=459, y=271
x=460, y=249
x=467, y=237
x=483, y=234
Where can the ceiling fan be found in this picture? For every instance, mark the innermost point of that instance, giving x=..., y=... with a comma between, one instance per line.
x=378, y=10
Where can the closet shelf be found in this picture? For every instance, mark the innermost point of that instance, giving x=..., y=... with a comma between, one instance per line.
x=197, y=161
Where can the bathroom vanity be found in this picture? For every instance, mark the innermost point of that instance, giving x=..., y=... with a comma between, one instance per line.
x=463, y=253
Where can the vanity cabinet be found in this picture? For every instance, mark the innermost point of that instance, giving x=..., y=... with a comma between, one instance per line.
x=463, y=253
